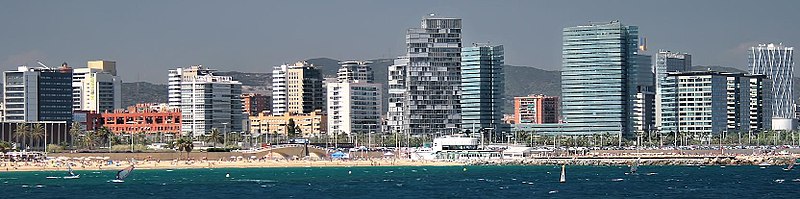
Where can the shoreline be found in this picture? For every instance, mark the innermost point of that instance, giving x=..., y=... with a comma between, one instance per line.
x=165, y=165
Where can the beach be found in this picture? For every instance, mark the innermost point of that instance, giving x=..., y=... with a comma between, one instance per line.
x=61, y=165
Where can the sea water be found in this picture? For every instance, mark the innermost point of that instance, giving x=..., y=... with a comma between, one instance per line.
x=415, y=182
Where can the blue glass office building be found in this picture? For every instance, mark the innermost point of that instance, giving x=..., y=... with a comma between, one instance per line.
x=599, y=78
x=482, y=87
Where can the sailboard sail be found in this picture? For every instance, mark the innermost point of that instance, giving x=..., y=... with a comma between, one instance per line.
x=124, y=173
x=70, y=172
x=635, y=166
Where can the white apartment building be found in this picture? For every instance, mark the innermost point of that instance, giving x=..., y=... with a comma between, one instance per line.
x=354, y=105
x=209, y=102
x=95, y=90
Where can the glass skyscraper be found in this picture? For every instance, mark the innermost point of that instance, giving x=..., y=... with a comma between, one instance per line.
x=599, y=78
x=777, y=63
x=482, y=87
x=666, y=62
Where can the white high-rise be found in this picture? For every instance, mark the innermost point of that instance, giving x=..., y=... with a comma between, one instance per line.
x=355, y=70
x=777, y=63
x=174, y=82
x=279, y=93
x=297, y=88
x=397, y=92
x=354, y=104
x=208, y=102
x=432, y=79
x=96, y=89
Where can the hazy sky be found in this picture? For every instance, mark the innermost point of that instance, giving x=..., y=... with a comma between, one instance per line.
x=148, y=37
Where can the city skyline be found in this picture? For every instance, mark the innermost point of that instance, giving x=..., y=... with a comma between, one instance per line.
x=146, y=40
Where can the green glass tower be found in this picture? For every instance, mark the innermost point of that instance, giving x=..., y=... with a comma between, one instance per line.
x=599, y=78
x=482, y=87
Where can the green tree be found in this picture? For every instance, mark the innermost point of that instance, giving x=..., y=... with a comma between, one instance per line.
x=184, y=144
x=21, y=131
x=37, y=133
x=214, y=137
x=74, y=131
x=291, y=128
x=103, y=134
x=4, y=146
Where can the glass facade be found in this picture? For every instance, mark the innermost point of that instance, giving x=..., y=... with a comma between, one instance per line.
x=599, y=78
x=777, y=63
x=482, y=87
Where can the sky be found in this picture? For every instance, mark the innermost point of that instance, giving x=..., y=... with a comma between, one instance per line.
x=148, y=37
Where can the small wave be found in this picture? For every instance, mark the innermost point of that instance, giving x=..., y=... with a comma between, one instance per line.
x=617, y=180
x=552, y=191
x=255, y=180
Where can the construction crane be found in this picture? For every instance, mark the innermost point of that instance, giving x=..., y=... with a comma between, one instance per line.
x=41, y=64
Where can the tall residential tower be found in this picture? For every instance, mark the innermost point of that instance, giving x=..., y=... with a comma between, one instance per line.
x=777, y=63
x=432, y=77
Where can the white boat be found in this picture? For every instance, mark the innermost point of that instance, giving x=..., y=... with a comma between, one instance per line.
x=563, y=174
x=122, y=174
x=617, y=180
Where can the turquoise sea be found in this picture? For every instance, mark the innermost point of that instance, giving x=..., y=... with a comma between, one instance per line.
x=415, y=182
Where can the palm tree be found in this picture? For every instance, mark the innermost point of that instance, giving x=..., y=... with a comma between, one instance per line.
x=104, y=133
x=89, y=140
x=37, y=133
x=21, y=132
x=184, y=145
x=74, y=131
x=214, y=137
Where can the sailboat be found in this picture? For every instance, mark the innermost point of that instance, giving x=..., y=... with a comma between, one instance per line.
x=122, y=174
x=71, y=173
x=563, y=174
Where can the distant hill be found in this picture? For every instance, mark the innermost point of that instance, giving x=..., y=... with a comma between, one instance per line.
x=520, y=81
x=143, y=92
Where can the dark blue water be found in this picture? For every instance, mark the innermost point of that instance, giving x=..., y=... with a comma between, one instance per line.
x=414, y=182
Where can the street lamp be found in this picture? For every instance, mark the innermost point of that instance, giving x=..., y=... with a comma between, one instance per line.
x=225, y=133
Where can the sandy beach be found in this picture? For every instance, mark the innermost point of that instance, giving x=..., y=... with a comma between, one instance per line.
x=55, y=165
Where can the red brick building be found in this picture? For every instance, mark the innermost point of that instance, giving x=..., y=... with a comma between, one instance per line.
x=536, y=109
x=148, y=118
x=254, y=103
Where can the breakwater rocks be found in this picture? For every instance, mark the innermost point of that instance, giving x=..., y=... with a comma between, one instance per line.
x=657, y=161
